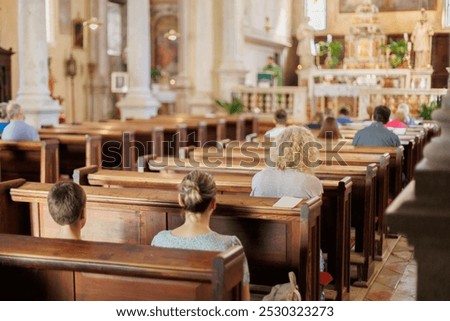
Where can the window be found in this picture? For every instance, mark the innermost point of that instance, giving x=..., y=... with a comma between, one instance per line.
x=446, y=14
x=50, y=21
x=316, y=10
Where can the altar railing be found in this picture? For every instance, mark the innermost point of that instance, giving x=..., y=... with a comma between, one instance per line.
x=266, y=100
x=392, y=97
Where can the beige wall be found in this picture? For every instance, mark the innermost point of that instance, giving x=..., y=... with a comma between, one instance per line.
x=8, y=36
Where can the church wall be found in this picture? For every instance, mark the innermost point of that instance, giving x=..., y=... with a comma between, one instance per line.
x=8, y=37
x=267, y=31
x=60, y=51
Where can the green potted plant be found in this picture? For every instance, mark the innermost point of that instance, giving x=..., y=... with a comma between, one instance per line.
x=333, y=50
x=427, y=110
x=396, y=51
x=235, y=106
x=155, y=74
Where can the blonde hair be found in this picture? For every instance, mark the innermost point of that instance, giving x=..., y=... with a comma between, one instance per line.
x=13, y=110
x=400, y=114
x=295, y=148
x=196, y=190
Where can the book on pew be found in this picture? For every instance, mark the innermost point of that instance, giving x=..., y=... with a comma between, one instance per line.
x=287, y=202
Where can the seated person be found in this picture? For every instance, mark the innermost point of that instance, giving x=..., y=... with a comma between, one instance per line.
x=66, y=204
x=409, y=120
x=316, y=121
x=293, y=175
x=18, y=129
x=399, y=120
x=293, y=172
x=330, y=129
x=3, y=118
x=197, y=196
x=376, y=134
x=343, y=117
x=280, y=119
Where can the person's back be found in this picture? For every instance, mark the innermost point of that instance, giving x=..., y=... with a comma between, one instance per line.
x=17, y=129
x=3, y=116
x=197, y=196
x=376, y=134
x=293, y=174
x=280, y=119
x=343, y=117
x=330, y=129
x=399, y=121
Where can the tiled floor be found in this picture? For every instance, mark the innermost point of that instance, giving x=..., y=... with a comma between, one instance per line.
x=395, y=276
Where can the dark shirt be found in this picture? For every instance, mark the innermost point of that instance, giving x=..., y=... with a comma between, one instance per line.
x=376, y=135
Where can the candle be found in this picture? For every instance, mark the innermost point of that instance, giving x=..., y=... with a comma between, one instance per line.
x=409, y=45
x=329, y=38
x=405, y=35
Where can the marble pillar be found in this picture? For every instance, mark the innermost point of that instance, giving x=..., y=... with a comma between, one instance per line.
x=422, y=212
x=139, y=101
x=201, y=57
x=99, y=100
x=232, y=71
x=183, y=80
x=33, y=93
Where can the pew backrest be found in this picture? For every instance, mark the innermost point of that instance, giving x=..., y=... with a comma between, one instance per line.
x=107, y=271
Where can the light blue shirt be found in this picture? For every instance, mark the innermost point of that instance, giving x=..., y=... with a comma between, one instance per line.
x=19, y=130
x=211, y=241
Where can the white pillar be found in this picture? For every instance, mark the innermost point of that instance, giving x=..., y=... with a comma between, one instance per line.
x=184, y=83
x=232, y=71
x=201, y=57
x=33, y=93
x=99, y=102
x=139, y=101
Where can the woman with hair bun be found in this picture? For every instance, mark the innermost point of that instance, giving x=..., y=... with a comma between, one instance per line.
x=197, y=196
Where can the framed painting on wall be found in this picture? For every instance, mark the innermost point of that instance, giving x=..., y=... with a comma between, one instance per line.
x=119, y=82
x=389, y=5
x=78, y=37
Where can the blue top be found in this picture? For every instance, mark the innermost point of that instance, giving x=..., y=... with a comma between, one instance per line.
x=211, y=241
x=344, y=120
x=20, y=130
x=3, y=125
x=376, y=135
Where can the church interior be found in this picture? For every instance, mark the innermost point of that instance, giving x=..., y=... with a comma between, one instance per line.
x=129, y=96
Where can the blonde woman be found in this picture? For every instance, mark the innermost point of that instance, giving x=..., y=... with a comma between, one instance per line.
x=295, y=157
x=197, y=196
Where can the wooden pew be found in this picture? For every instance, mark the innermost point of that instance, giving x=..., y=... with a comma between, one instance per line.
x=229, y=126
x=36, y=161
x=276, y=240
x=58, y=269
x=14, y=217
x=363, y=198
x=118, y=146
x=252, y=152
x=335, y=213
x=77, y=151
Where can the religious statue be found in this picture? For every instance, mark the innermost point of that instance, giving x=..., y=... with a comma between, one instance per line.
x=421, y=38
x=306, y=49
